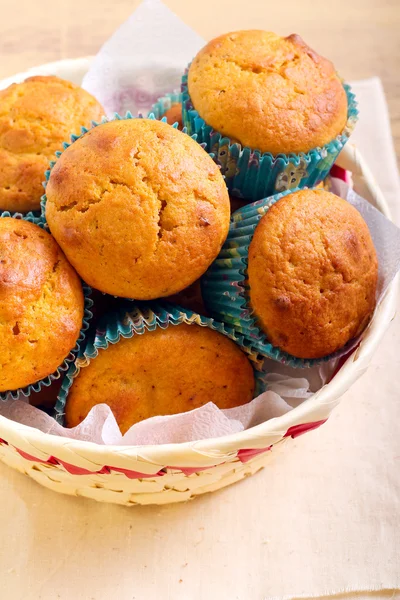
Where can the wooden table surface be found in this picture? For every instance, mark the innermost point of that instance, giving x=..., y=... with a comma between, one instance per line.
x=361, y=37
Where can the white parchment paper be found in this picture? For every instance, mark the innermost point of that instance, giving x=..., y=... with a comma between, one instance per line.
x=143, y=60
x=208, y=421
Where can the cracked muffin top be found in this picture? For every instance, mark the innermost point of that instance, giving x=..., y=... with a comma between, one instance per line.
x=139, y=208
x=41, y=304
x=312, y=273
x=270, y=93
x=36, y=117
x=162, y=372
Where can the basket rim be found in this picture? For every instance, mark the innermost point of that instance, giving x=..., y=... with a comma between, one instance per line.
x=315, y=408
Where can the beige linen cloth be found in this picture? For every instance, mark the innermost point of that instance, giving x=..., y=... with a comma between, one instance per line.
x=322, y=520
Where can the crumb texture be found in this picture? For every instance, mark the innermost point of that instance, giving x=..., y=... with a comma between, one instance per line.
x=162, y=372
x=312, y=273
x=271, y=93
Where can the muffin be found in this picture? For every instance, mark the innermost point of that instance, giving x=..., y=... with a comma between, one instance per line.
x=270, y=93
x=174, y=115
x=41, y=304
x=274, y=113
x=297, y=276
x=36, y=117
x=138, y=207
x=162, y=372
x=170, y=107
x=312, y=273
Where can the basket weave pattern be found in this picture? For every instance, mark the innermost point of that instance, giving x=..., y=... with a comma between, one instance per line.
x=130, y=486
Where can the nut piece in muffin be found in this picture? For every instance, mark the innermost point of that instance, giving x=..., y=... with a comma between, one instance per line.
x=312, y=273
x=270, y=93
x=41, y=304
x=139, y=208
x=36, y=117
x=162, y=372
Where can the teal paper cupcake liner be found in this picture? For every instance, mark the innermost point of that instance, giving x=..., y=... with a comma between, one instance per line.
x=87, y=315
x=32, y=217
x=140, y=319
x=164, y=103
x=84, y=130
x=225, y=287
x=253, y=175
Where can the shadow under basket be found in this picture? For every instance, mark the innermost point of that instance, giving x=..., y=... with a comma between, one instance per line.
x=162, y=474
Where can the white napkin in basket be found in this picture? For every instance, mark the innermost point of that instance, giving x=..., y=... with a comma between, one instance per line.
x=122, y=78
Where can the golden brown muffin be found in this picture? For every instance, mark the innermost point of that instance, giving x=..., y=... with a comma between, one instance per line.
x=312, y=273
x=41, y=304
x=36, y=117
x=163, y=372
x=139, y=208
x=271, y=93
x=174, y=115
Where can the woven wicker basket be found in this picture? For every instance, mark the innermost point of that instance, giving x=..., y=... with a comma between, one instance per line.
x=172, y=473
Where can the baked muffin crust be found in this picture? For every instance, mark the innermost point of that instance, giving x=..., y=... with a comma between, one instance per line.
x=36, y=117
x=139, y=208
x=162, y=372
x=270, y=93
x=312, y=273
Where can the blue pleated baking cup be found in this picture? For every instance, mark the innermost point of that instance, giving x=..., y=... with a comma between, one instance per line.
x=32, y=216
x=84, y=130
x=253, y=175
x=142, y=318
x=164, y=103
x=225, y=287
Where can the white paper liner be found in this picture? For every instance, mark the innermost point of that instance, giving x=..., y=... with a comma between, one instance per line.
x=208, y=421
x=143, y=60
x=384, y=233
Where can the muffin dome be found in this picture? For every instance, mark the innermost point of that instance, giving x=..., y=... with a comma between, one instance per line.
x=312, y=273
x=139, y=208
x=162, y=372
x=41, y=304
x=36, y=117
x=270, y=93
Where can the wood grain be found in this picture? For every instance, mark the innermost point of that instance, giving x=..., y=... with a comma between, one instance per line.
x=361, y=37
